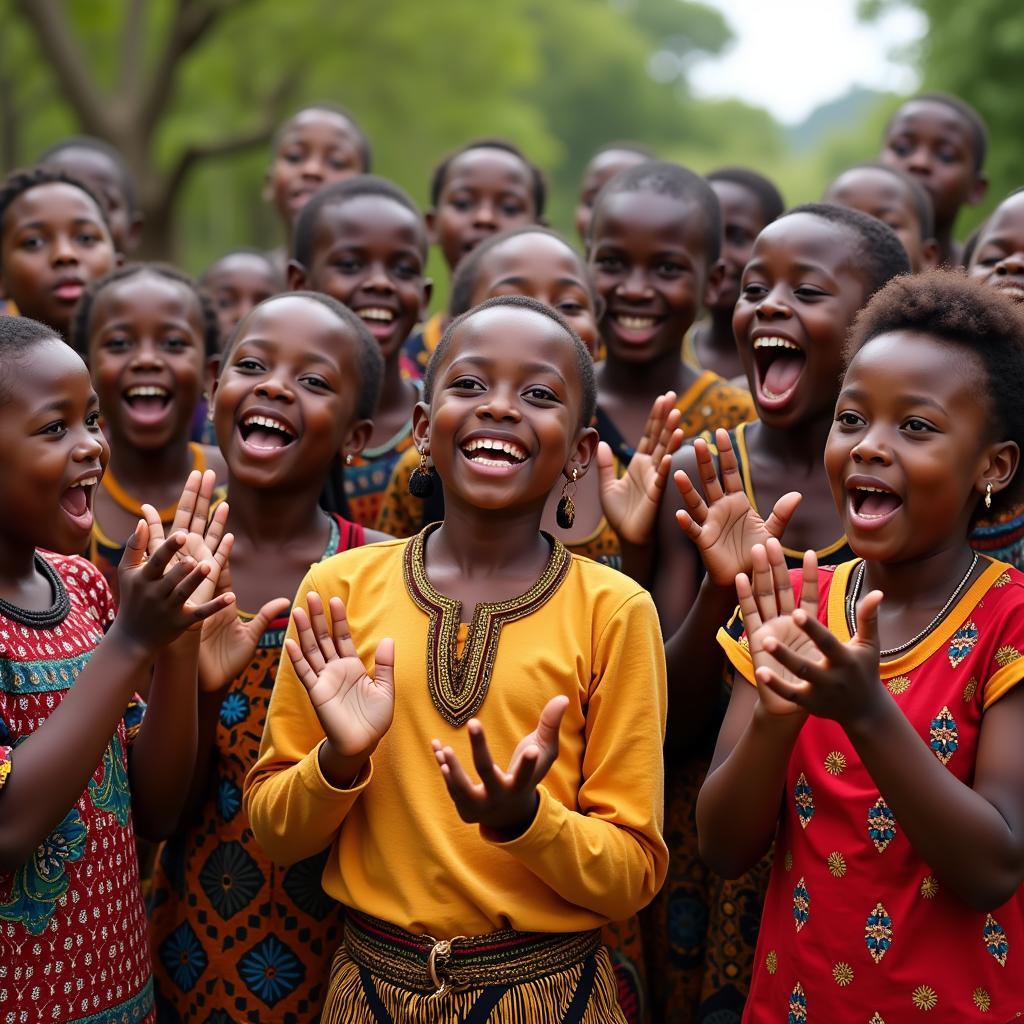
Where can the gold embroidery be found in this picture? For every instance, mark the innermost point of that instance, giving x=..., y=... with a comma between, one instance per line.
x=836, y=864
x=771, y=962
x=878, y=933
x=876, y=1018
x=803, y=797
x=925, y=998
x=898, y=685
x=995, y=940
x=744, y=643
x=801, y=904
x=835, y=763
x=1001, y=580
x=843, y=974
x=1007, y=655
x=929, y=887
x=982, y=1000
x=457, y=685
x=970, y=690
x=787, y=861
x=798, y=1005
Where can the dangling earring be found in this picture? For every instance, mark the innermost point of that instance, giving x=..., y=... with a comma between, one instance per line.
x=421, y=483
x=565, y=514
x=988, y=494
x=348, y=459
x=209, y=410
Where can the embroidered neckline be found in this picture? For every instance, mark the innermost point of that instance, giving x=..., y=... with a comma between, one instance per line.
x=458, y=685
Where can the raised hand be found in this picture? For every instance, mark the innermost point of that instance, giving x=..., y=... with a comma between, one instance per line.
x=768, y=606
x=724, y=525
x=504, y=801
x=630, y=502
x=355, y=710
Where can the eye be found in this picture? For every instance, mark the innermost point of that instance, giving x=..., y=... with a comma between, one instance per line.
x=31, y=242
x=461, y=203
x=117, y=343
x=948, y=155
x=570, y=307
x=466, y=384
x=809, y=292
x=292, y=156
x=669, y=268
x=609, y=264
x=317, y=382
x=177, y=343
x=539, y=393
x=340, y=164
x=248, y=364
x=846, y=418
x=901, y=147
x=88, y=238
x=512, y=208
x=347, y=265
x=55, y=429
x=754, y=291
x=916, y=425
x=407, y=271
x=92, y=420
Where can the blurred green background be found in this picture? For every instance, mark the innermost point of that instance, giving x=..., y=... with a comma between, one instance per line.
x=190, y=90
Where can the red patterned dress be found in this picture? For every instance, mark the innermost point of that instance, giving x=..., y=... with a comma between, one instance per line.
x=73, y=937
x=237, y=937
x=856, y=927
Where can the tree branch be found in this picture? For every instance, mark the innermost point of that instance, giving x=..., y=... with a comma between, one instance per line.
x=61, y=50
x=133, y=39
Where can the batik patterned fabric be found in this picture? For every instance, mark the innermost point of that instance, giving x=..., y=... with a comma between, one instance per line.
x=883, y=940
x=1002, y=536
x=236, y=937
x=73, y=937
x=420, y=346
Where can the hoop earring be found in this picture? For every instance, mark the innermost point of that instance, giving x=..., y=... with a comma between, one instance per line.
x=988, y=494
x=421, y=483
x=565, y=514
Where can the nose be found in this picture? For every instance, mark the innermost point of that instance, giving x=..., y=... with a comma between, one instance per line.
x=88, y=447
x=64, y=251
x=871, y=447
x=313, y=167
x=484, y=214
x=378, y=279
x=635, y=286
x=146, y=355
x=274, y=388
x=499, y=404
x=920, y=161
x=772, y=307
x=1011, y=265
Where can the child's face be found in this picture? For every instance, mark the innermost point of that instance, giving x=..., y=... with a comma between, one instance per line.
x=908, y=424
x=316, y=148
x=932, y=142
x=52, y=451
x=599, y=172
x=238, y=284
x=103, y=176
x=742, y=221
x=998, y=259
x=880, y=195
x=146, y=358
x=284, y=405
x=650, y=263
x=368, y=253
x=53, y=242
x=485, y=191
x=800, y=292
x=543, y=268
x=510, y=379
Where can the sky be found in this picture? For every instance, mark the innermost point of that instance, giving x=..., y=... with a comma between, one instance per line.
x=793, y=55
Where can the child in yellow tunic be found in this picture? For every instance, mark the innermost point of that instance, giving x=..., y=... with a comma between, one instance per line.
x=489, y=898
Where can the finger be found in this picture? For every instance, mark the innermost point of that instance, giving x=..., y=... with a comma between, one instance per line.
x=706, y=469
x=184, y=589
x=485, y=766
x=187, y=502
x=801, y=667
x=656, y=488
x=728, y=467
x=201, y=612
x=524, y=772
x=652, y=428
x=322, y=632
x=782, y=513
x=809, y=584
x=466, y=788
x=670, y=437
x=201, y=511
x=156, y=528
x=384, y=665
x=223, y=552
x=695, y=504
x=688, y=526
x=823, y=638
x=305, y=673
x=135, y=548
x=605, y=467
x=550, y=722
x=218, y=524
x=342, y=633
x=673, y=442
x=307, y=641
x=780, y=577
x=762, y=583
x=867, y=619
x=261, y=621
x=748, y=606
x=161, y=558
x=795, y=693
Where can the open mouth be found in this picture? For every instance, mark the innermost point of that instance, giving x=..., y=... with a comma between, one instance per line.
x=378, y=319
x=148, y=402
x=76, y=501
x=780, y=364
x=265, y=433
x=494, y=453
x=634, y=328
x=871, y=507
x=1013, y=290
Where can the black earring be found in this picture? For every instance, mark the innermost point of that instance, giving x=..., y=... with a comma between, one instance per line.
x=421, y=483
x=565, y=514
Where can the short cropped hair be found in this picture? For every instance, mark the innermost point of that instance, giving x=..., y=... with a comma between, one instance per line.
x=464, y=281
x=538, y=185
x=659, y=177
x=342, y=192
x=18, y=334
x=964, y=313
x=584, y=362
x=919, y=198
x=880, y=253
x=368, y=357
x=362, y=140
x=975, y=123
x=81, y=323
x=128, y=184
x=769, y=198
x=244, y=250
x=625, y=147
x=19, y=182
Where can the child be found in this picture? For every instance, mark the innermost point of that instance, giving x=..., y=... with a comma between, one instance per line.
x=749, y=202
x=896, y=199
x=54, y=240
x=298, y=384
x=604, y=165
x=102, y=168
x=72, y=921
x=148, y=332
x=884, y=730
x=486, y=901
x=941, y=141
x=363, y=243
x=482, y=188
x=809, y=274
x=654, y=245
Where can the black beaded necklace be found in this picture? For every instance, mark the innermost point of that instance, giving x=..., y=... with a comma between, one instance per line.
x=52, y=616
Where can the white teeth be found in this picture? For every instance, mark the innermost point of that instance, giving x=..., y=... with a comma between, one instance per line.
x=89, y=482
x=493, y=444
x=636, y=323
x=147, y=391
x=775, y=343
x=269, y=422
x=372, y=313
x=874, y=490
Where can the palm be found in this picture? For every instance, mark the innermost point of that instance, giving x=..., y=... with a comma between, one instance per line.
x=731, y=529
x=355, y=711
x=786, y=632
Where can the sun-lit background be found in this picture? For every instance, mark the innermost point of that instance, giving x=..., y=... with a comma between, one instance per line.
x=191, y=90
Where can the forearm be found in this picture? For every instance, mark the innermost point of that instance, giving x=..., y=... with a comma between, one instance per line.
x=981, y=859
x=738, y=805
x=52, y=767
x=638, y=561
x=208, y=712
x=164, y=755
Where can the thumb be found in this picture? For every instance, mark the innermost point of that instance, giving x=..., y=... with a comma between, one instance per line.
x=551, y=721
x=782, y=513
x=384, y=665
x=867, y=619
x=605, y=466
x=135, y=550
x=266, y=615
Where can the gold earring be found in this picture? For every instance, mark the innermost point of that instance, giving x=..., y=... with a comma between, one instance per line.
x=565, y=513
x=348, y=459
x=421, y=483
x=988, y=494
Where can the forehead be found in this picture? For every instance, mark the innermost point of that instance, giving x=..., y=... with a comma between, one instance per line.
x=369, y=217
x=608, y=163
x=485, y=167
x=805, y=238
x=44, y=371
x=666, y=219
x=512, y=337
x=52, y=203
x=1006, y=221
x=90, y=165
x=324, y=126
x=737, y=201
x=146, y=294
x=239, y=265
x=871, y=186
x=916, y=363
x=930, y=118
x=302, y=325
x=530, y=253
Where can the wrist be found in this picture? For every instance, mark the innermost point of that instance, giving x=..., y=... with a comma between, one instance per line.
x=780, y=729
x=865, y=721
x=518, y=827
x=340, y=770
x=134, y=651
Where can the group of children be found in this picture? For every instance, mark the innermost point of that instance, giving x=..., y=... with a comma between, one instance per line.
x=636, y=640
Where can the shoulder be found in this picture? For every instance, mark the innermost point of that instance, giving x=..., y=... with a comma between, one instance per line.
x=367, y=560
x=604, y=589
x=85, y=584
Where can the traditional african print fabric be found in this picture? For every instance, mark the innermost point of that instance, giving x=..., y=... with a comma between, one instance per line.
x=403, y=514
x=856, y=926
x=707, y=404
x=701, y=931
x=1002, y=537
x=420, y=346
x=235, y=936
x=73, y=937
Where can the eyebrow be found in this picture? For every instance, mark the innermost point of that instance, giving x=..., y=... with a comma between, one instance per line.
x=312, y=357
x=534, y=367
x=45, y=223
x=519, y=279
x=912, y=399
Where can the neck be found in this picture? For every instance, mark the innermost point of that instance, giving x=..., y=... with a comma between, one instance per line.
x=802, y=444
x=396, y=393
x=17, y=565
x=946, y=243
x=137, y=470
x=481, y=545
x=720, y=336
x=642, y=380
x=278, y=517
x=922, y=582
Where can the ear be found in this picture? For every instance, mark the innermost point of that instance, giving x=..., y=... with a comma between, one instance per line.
x=118, y=258
x=430, y=219
x=421, y=426
x=979, y=188
x=210, y=375
x=929, y=254
x=267, y=192
x=134, y=233
x=713, y=284
x=297, y=279
x=1001, y=464
x=428, y=293
x=583, y=452
x=357, y=438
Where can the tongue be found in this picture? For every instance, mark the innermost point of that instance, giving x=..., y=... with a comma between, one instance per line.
x=263, y=438
x=150, y=405
x=876, y=504
x=783, y=373
x=74, y=501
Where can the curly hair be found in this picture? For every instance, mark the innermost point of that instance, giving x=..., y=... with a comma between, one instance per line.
x=584, y=362
x=538, y=184
x=961, y=312
x=18, y=334
x=19, y=182
x=81, y=324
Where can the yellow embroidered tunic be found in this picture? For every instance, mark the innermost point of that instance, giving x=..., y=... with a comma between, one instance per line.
x=399, y=850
